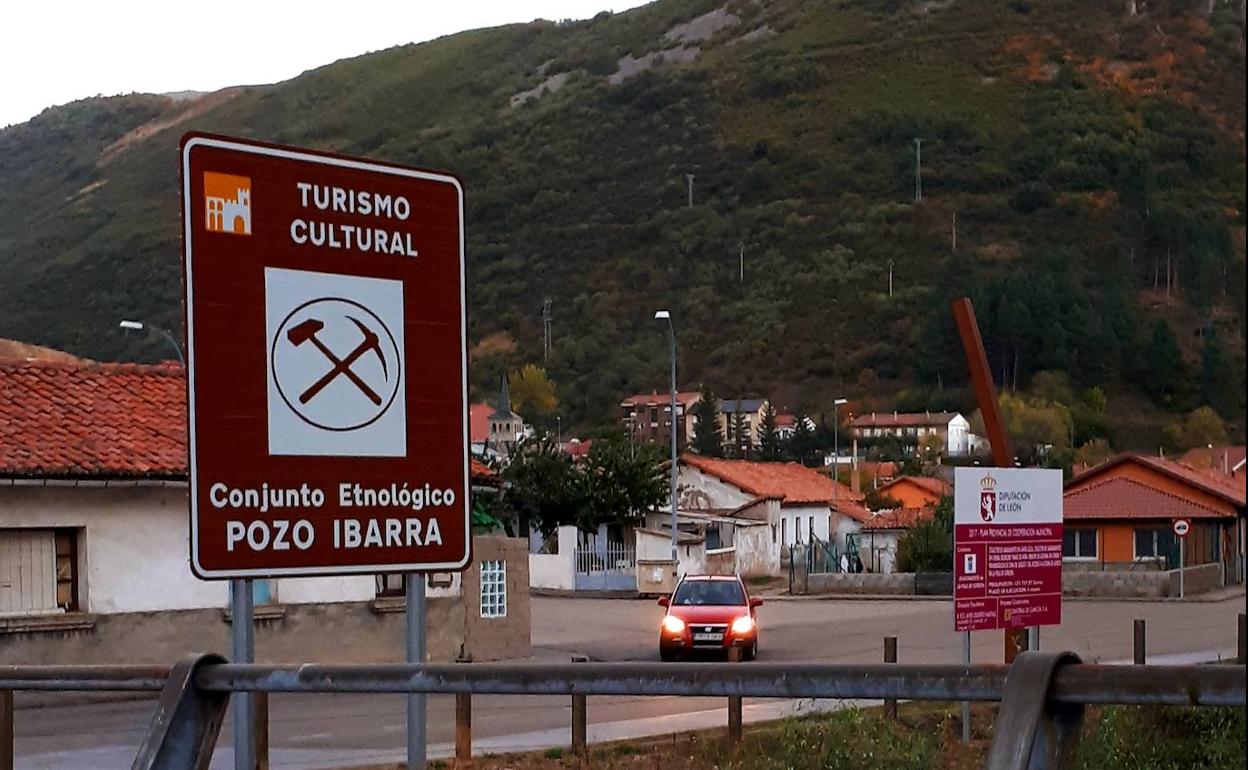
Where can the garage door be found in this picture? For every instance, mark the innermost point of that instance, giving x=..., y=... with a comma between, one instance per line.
x=27, y=571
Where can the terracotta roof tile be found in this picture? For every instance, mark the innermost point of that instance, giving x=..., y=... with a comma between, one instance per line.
x=897, y=518
x=938, y=487
x=67, y=419
x=1231, y=489
x=1205, y=459
x=794, y=484
x=1119, y=497
x=902, y=419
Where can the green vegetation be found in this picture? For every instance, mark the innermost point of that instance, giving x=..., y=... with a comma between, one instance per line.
x=617, y=481
x=928, y=545
x=1083, y=182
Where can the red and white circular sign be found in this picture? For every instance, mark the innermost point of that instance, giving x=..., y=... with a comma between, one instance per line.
x=1181, y=527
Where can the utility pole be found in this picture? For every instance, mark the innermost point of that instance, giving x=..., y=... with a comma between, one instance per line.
x=918, y=169
x=689, y=179
x=546, y=338
x=953, y=233
x=890, y=276
x=741, y=278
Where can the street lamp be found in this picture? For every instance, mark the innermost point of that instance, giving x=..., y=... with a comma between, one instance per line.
x=836, y=442
x=139, y=326
x=664, y=315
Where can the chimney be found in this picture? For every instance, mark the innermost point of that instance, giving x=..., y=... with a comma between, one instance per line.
x=855, y=479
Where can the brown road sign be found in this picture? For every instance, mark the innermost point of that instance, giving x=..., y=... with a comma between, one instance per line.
x=326, y=368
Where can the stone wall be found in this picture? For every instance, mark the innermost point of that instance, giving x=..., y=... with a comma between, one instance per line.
x=1144, y=584
x=360, y=632
x=896, y=584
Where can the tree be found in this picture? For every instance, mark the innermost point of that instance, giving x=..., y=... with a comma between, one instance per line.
x=1163, y=364
x=542, y=485
x=928, y=545
x=802, y=444
x=740, y=442
x=532, y=392
x=769, y=438
x=1094, y=452
x=1203, y=427
x=1219, y=387
x=621, y=482
x=708, y=441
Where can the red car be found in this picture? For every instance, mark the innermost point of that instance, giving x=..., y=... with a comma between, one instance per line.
x=708, y=613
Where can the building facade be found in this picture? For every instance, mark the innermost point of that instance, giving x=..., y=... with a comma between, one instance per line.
x=647, y=417
x=912, y=428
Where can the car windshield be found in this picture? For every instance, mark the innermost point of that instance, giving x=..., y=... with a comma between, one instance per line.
x=709, y=592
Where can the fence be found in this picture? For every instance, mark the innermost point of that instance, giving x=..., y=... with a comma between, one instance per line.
x=1042, y=695
x=609, y=567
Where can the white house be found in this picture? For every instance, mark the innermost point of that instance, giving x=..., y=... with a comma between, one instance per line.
x=797, y=503
x=953, y=429
x=94, y=526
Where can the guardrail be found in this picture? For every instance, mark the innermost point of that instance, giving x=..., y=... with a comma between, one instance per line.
x=1042, y=694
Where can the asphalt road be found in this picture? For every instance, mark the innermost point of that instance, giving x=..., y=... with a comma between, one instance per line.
x=339, y=730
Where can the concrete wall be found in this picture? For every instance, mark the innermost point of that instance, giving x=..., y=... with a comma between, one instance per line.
x=134, y=552
x=1196, y=580
x=721, y=561
x=655, y=577
x=757, y=552
x=1143, y=584
x=861, y=583
x=842, y=525
x=700, y=491
x=556, y=570
x=799, y=519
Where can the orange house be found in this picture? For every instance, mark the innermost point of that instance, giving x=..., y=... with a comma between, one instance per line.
x=916, y=491
x=1122, y=512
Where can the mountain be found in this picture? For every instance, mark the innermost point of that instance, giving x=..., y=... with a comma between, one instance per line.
x=1082, y=179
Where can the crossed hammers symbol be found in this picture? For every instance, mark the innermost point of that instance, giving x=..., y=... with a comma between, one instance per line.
x=307, y=331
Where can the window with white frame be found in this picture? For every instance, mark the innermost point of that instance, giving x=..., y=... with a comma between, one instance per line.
x=494, y=589
x=1079, y=543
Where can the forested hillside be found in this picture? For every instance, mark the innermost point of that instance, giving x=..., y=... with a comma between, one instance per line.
x=1082, y=179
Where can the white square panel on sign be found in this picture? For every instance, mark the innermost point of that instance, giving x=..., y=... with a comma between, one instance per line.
x=334, y=364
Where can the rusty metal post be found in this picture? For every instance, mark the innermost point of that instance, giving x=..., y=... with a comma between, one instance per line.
x=463, y=725
x=579, y=725
x=890, y=656
x=260, y=703
x=1138, y=645
x=6, y=726
x=734, y=701
x=994, y=424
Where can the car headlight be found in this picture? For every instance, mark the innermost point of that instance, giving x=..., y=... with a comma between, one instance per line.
x=743, y=625
x=673, y=624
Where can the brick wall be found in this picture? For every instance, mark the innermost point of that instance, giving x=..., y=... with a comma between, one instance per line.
x=505, y=637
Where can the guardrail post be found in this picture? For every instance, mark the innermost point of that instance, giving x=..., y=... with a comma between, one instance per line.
x=187, y=719
x=463, y=724
x=890, y=656
x=578, y=713
x=1139, y=649
x=260, y=702
x=734, y=701
x=6, y=727
x=1032, y=732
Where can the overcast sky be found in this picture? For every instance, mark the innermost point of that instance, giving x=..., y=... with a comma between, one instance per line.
x=53, y=52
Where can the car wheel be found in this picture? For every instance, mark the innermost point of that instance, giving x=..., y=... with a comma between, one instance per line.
x=666, y=655
x=752, y=652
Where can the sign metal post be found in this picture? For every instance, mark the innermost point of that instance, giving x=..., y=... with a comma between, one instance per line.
x=243, y=650
x=416, y=702
x=1181, y=528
